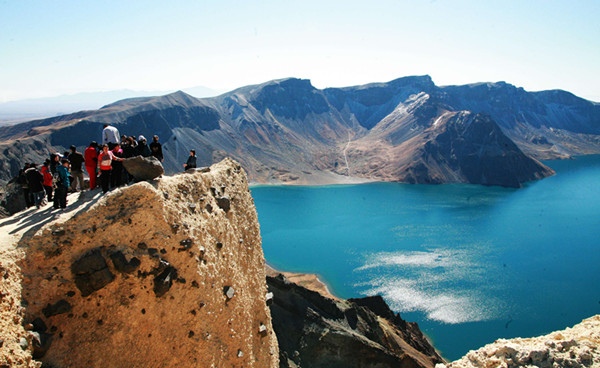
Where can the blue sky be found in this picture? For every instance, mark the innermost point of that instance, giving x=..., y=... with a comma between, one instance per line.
x=49, y=48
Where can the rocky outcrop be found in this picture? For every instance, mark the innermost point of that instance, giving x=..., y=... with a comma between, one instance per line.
x=316, y=331
x=12, y=199
x=169, y=274
x=574, y=347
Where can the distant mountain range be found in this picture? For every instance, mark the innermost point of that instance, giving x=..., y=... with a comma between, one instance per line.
x=287, y=131
x=22, y=110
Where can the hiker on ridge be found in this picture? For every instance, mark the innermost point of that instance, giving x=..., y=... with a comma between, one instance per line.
x=62, y=185
x=142, y=148
x=110, y=136
x=156, y=148
x=91, y=162
x=105, y=159
x=47, y=179
x=76, y=159
x=35, y=179
x=191, y=161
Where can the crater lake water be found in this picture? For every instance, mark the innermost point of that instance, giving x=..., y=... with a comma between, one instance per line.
x=468, y=263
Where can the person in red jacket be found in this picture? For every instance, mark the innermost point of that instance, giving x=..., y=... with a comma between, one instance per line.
x=91, y=162
x=47, y=179
x=105, y=159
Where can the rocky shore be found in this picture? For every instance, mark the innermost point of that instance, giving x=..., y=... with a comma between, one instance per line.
x=575, y=347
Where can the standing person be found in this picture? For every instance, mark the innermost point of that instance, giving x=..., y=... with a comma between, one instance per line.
x=54, y=162
x=47, y=179
x=156, y=148
x=62, y=185
x=105, y=159
x=128, y=147
x=76, y=159
x=117, y=168
x=110, y=136
x=191, y=161
x=35, y=179
x=91, y=162
x=22, y=180
x=128, y=151
x=142, y=148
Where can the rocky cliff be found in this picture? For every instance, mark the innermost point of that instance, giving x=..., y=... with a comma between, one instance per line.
x=167, y=273
x=287, y=131
x=578, y=346
x=318, y=331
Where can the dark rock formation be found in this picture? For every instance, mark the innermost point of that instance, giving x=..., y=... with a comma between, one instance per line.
x=41, y=343
x=91, y=272
x=164, y=280
x=60, y=307
x=12, y=199
x=143, y=168
x=315, y=331
x=122, y=265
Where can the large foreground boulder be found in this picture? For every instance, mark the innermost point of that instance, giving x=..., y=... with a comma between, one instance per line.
x=154, y=275
x=144, y=168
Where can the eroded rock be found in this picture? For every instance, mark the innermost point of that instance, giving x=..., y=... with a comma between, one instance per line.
x=164, y=281
x=60, y=307
x=91, y=272
x=122, y=265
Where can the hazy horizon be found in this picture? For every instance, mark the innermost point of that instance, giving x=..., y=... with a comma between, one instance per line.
x=51, y=50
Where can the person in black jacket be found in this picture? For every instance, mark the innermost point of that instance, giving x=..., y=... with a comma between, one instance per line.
x=191, y=162
x=76, y=159
x=142, y=148
x=35, y=179
x=22, y=180
x=156, y=148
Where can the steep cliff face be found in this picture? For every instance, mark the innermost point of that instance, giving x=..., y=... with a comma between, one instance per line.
x=578, y=346
x=162, y=274
x=459, y=147
x=317, y=331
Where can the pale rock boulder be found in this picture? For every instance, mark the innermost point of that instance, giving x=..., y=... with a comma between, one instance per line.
x=574, y=347
x=160, y=274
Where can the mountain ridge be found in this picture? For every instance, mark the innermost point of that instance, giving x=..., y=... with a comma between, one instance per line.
x=288, y=131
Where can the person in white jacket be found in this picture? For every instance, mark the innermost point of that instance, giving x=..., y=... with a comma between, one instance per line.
x=110, y=136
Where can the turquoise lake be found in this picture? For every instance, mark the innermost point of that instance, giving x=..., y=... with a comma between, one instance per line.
x=468, y=263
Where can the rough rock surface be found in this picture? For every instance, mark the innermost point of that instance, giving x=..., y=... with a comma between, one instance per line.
x=12, y=199
x=143, y=168
x=578, y=346
x=14, y=339
x=316, y=331
x=142, y=279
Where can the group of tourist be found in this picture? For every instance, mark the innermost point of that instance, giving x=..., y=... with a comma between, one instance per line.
x=63, y=173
